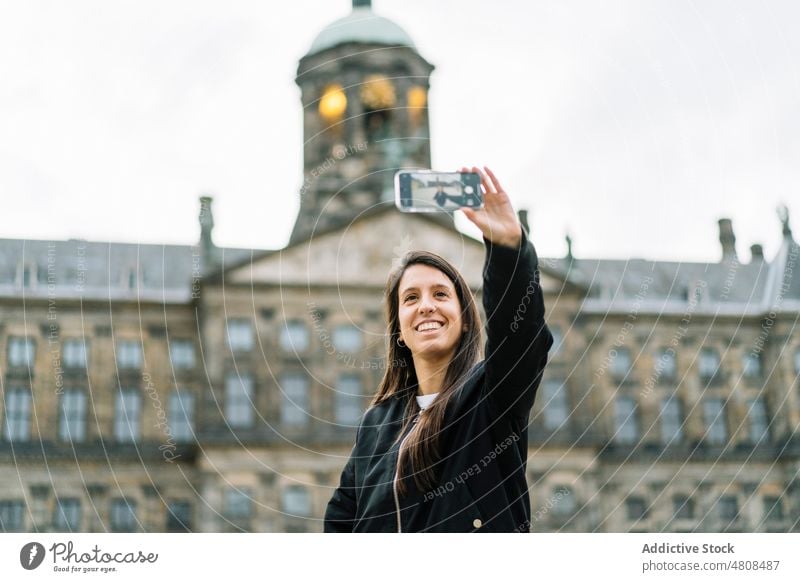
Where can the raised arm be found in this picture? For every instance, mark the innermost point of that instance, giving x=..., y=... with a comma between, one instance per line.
x=517, y=338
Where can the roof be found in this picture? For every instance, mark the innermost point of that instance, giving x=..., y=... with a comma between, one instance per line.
x=362, y=25
x=726, y=287
x=79, y=269
x=106, y=271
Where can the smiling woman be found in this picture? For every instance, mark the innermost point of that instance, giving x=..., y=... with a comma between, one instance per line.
x=443, y=446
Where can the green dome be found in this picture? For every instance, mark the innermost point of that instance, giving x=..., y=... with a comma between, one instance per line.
x=361, y=25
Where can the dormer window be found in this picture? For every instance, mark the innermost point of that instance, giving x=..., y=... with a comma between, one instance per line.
x=27, y=275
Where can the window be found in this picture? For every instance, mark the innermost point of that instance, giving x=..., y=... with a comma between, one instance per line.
x=179, y=516
x=671, y=420
x=626, y=420
x=294, y=404
x=27, y=275
x=714, y=417
x=682, y=507
x=564, y=504
x=727, y=508
x=132, y=279
x=759, y=421
x=239, y=406
x=181, y=415
x=123, y=515
x=240, y=335
x=12, y=513
x=347, y=339
x=709, y=363
x=347, y=399
x=21, y=352
x=294, y=336
x=751, y=365
x=74, y=353
x=68, y=515
x=127, y=410
x=773, y=509
x=181, y=353
x=17, y=425
x=666, y=364
x=635, y=508
x=72, y=415
x=238, y=503
x=555, y=405
x=621, y=364
x=129, y=354
x=296, y=500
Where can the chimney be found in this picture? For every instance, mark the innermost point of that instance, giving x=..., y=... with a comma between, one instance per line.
x=207, y=248
x=756, y=253
x=727, y=239
x=783, y=214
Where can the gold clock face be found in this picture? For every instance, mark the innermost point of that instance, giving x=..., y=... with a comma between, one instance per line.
x=333, y=103
x=377, y=92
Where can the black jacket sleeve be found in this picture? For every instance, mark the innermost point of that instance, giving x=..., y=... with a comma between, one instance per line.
x=341, y=511
x=517, y=338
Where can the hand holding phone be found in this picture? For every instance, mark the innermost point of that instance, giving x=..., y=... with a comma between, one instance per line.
x=429, y=191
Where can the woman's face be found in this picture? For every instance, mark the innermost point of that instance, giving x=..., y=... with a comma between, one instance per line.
x=429, y=312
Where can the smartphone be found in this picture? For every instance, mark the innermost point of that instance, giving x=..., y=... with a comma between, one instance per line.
x=429, y=191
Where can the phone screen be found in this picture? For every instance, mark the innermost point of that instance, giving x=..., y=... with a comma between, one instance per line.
x=437, y=191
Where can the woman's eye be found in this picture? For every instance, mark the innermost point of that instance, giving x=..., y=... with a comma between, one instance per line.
x=441, y=293
x=410, y=297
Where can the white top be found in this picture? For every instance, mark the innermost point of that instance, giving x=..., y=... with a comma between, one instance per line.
x=426, y=400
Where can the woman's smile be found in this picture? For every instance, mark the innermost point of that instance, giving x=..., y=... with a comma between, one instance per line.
x=429, y=312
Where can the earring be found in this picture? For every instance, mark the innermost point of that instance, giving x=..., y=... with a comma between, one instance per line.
x=400, y=342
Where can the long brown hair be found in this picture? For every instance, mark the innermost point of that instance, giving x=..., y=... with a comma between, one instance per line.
x=400, y=378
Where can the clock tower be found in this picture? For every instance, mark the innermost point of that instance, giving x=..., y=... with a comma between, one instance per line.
x=364, y=91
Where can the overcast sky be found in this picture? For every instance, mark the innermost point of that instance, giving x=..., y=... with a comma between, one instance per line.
x=633, y=125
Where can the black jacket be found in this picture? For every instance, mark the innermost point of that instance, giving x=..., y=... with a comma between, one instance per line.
x=484, y=444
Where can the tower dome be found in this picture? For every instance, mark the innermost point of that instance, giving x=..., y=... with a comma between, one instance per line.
x=362, y=25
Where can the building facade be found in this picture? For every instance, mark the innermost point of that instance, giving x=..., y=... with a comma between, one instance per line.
x=161, y=388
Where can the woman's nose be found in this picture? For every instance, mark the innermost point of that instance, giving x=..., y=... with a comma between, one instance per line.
x=426, y=305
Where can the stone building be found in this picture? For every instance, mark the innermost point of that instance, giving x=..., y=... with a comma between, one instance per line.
x=200, y=388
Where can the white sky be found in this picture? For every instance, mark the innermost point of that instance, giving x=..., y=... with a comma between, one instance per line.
x=633, y=125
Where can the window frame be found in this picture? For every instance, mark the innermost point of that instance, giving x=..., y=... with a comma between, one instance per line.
x=240, y=406
x=124, y=431
x=21, y=357
x=632, y=419
x=17, y=427
x=78, y=417
x=240, y=335
x=348, y=403
x=295, y=399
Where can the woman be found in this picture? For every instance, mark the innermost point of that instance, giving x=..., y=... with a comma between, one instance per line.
x=443, y=445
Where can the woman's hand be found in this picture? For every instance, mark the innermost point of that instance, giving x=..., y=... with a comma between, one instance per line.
x=496, y=220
